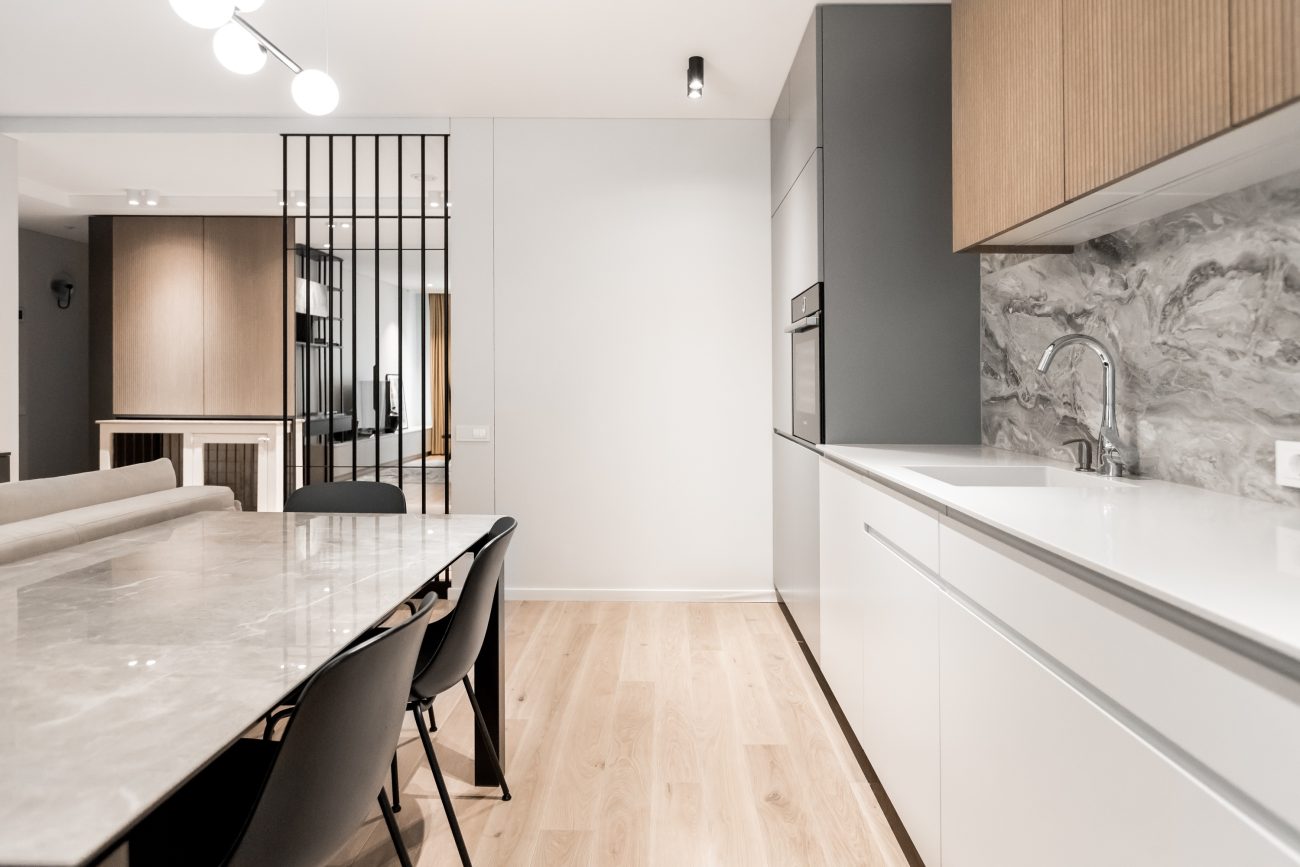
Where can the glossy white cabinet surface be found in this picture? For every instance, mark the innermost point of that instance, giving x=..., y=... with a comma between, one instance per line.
x=1229, y=560
x=900, y=695
x=1033, y=774
x=1222, y=708
x=796, y=537
x=843, y=589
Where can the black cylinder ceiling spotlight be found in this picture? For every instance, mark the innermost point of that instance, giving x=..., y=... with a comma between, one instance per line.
x=695, y=77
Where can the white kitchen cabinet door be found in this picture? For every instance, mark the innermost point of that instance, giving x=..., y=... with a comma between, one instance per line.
x=1034, y=774
x=796, y=536
x=843, y=588
x=900, y=706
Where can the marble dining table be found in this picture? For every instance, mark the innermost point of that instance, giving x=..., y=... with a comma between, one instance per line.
x=129, y=663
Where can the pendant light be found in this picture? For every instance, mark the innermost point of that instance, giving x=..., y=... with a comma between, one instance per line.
x=315, y=92
x=240, y=48
x=237, y=50
x=208, y=14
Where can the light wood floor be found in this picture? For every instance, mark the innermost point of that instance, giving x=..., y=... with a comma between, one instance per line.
x=646, y=734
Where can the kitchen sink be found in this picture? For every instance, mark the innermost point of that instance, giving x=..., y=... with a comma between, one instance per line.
x=1017, y=477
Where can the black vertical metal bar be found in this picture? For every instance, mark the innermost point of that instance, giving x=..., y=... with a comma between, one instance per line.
x=286, y=338
x=375, y=396
x=353, y=284
x=424, y=340
x=309, y=346
x=401, y=302
x=329, y=324
x=446, y=327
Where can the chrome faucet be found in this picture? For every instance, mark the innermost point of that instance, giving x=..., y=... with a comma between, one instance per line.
x=1113, y=454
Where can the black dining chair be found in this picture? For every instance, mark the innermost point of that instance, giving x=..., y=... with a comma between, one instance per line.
x=365, y=498
x=450, y=647
x=295, y=802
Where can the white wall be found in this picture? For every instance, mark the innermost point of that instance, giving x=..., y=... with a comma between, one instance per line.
x=632, y=360
x=9, y=299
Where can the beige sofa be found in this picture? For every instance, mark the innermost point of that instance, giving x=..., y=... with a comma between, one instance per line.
x=42, y=515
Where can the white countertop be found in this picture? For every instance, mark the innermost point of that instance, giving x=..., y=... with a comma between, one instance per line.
x=1228, y=560
x=127, y=663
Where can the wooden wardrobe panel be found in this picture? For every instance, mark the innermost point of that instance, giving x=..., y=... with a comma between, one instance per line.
x=1265, y=56
x=243, y=301
x=1007, y=116
x=1143, y=80
x=157, y=316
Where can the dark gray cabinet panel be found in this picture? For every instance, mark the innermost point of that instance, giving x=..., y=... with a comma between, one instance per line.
x=902, y=310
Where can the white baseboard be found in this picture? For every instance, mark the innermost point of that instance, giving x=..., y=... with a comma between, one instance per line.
x=638, y=594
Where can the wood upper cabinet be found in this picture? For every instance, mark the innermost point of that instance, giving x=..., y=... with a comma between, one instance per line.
x=1265, y=55
x=1143, y=80
x=157, y=285
x=243, y=316
x=1007, y=154
x=198, y=315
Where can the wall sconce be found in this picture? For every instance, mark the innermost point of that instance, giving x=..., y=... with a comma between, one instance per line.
x=62, y=289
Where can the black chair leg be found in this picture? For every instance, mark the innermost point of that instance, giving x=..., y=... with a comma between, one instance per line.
x=433, y=723
x=442, y=789
x=397, y=789
x=487, y=739
x=390, y=820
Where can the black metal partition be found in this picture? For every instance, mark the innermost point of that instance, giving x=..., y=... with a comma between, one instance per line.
x=365, y=228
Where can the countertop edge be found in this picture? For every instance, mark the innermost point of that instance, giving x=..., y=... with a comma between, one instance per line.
x=1258, y=651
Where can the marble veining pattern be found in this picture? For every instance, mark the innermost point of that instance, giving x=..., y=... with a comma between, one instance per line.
x=127, y=663
x=1202, y=307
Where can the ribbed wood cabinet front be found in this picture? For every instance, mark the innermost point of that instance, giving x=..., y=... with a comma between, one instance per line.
x=157, y=315
x=1265, y=56
x=1143, y=80
x=1006, y=106
x=243, y=318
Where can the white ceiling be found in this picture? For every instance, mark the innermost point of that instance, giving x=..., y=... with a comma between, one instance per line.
x=406, y=58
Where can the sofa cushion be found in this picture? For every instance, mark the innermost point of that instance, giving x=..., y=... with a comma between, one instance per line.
x=51, y=532
x=33, y=498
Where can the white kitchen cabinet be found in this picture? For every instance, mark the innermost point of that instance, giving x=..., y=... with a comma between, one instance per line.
x=843, y=588
x=796, y=536
x=796, y=265
x=900, y=694
x=1033, y=773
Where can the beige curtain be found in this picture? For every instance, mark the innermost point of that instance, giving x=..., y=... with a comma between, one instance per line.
x=438, y=338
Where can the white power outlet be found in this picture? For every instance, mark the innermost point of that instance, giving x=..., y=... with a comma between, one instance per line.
x=1288, y=464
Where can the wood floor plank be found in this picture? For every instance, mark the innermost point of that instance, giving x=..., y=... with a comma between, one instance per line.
x=623, y=829
x=645, y=733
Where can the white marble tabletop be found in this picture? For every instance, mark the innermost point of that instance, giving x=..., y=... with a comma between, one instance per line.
x=1231, y=561
x=127, y=663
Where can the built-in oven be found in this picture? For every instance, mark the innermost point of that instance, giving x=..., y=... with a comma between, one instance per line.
x=805, y=330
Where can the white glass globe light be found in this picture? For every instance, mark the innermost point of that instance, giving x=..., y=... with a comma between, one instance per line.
x=208, y=14
x=237, y=50
x=315, y=92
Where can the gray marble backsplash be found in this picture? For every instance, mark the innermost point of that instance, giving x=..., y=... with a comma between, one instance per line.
x=1202, y=308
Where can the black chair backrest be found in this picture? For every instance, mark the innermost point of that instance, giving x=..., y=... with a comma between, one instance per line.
x=366, y=498
x=468, y=621
x=335, y=752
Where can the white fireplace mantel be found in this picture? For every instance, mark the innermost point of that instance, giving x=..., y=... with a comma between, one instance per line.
x=267, y=434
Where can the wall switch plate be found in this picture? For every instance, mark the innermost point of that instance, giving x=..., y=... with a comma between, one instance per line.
x=473, y=433
x=1288, y=464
